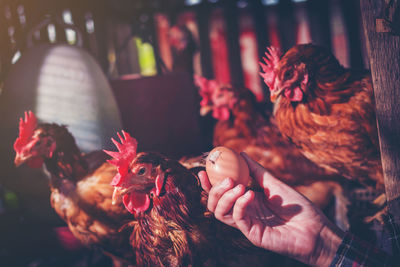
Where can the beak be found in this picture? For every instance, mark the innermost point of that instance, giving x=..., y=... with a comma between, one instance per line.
x=19, y=160
x=205, y=110
x=273, y=97
x=118, y=193
x=278, y=88
x=134, y=183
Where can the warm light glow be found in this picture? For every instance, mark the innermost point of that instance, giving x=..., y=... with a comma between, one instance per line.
x=16, y=56
x=71, y=36
x=269, y=2
x=70, y=91
x=51, y=31
x=89, y=23
x=69, y=33
x=67, y=16
x=192, y=2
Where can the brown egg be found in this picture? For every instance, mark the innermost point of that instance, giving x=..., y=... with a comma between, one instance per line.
x=223, y=162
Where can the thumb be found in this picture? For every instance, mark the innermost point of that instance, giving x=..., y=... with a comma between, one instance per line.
x=259, y=173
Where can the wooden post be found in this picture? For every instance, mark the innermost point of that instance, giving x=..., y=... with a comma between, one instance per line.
x=232, y=27
x=383, y=44
x=352, y=18
x=203, y=18
x=319, y=14
x=287, y=24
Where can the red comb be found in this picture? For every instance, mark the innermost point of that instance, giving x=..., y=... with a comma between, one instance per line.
x=272, y=57
x=207, y=87
x=26, y=128
x=126, y=153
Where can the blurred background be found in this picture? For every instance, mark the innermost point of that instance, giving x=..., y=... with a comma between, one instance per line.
x=145, y=53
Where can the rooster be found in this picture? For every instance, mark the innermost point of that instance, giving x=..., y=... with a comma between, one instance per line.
x=242, y=127
x=81, y=193
x=171, y=225
x=326, y=110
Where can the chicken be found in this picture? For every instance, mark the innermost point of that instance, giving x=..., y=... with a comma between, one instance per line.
x=81, y=193
x=171, y=225
x=327, y=111
x=242, y=127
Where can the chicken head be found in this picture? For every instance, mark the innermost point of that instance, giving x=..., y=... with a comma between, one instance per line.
x=33, y=145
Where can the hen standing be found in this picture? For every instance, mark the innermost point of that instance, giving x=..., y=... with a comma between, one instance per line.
x=80, y=185
x=242, y=127
x=326, y=110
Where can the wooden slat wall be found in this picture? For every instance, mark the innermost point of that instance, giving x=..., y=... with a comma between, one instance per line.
x=109, y=19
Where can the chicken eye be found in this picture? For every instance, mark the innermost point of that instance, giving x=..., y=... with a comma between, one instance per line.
x=288, y=74
x=141, y=171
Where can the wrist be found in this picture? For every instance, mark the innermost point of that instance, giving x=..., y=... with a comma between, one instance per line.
x=328, y=242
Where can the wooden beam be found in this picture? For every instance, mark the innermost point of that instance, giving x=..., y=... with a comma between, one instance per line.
x=352, y=18
x=231, y=15
x=203, y=19
x=319, y=13
x=287, y=24
x=384, y=54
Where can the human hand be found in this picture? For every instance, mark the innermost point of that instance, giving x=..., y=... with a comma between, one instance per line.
x=279, y=219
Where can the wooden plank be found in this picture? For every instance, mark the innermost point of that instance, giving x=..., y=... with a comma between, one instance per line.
x=232, y=28
x=352, y=17
x=384, y=54
x=319, y=22
x=100, y=31
x=287, y=24
x=203, y=18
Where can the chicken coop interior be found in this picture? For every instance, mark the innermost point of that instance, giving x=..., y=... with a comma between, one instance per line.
x=146, y=67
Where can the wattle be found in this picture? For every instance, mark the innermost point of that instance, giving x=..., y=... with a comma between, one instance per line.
x=295, y=94
x=136, y=202
x=35, y=162
x=221, y=113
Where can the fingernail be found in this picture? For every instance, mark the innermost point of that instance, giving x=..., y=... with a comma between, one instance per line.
x=226, y=182
x=247, y=194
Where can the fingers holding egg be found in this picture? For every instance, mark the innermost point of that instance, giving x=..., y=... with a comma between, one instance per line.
x=223, y=162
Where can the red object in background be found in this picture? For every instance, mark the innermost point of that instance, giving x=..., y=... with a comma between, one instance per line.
x=162, y=25
x=249, y=56
x=340, y=45
x=189, y=20
x=219, y=48
x=303, y=34
x=272, y=25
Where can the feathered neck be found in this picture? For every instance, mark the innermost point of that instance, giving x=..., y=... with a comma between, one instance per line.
x=171, y=227
x=67, y=161
x=325, y=91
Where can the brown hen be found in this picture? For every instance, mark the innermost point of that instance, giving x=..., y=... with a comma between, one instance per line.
x=171, y=225
x=326, y=110
x=80, y=187
x=242, y=127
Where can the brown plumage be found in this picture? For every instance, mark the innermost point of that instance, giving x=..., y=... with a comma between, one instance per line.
x=80, y=185
x=171, y=225
x=327, y=111
x=242, y=127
